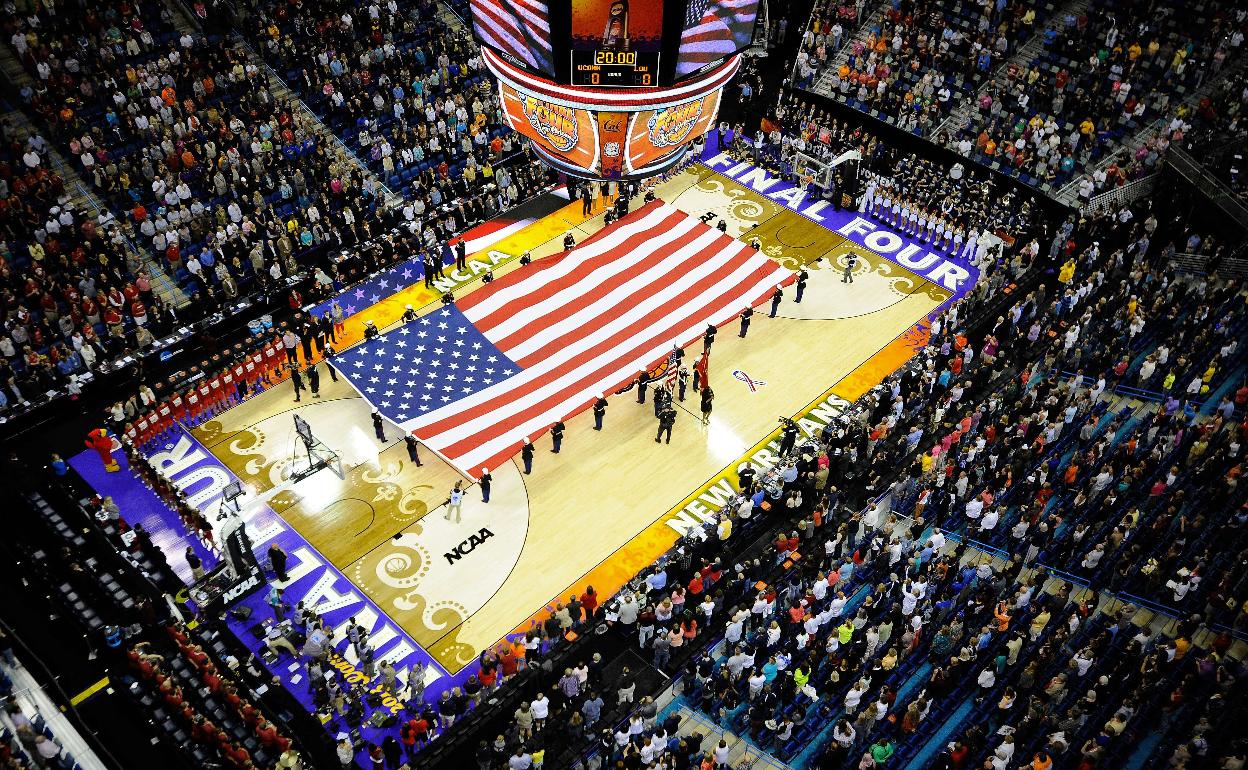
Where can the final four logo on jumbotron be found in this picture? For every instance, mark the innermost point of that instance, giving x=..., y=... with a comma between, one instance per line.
x=556, y=123
x=672, y=125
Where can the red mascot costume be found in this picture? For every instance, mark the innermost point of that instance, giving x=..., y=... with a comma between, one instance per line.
x=102, y=442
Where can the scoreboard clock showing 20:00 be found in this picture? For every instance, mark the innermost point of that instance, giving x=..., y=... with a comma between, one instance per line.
x=621, y=69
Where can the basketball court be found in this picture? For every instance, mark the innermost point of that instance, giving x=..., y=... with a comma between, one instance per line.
x=611, y=501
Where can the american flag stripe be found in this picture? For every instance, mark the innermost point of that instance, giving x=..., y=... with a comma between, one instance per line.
x=513, y=288
x=565, y=323
x=520, y=28
x=623, y=298
x=564, y=401
x=642, y=317
x=724, y=27
x=519, y=331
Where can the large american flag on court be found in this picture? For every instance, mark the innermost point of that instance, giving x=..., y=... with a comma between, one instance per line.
x=520, y=28
x=714, y=29
x=537, y=345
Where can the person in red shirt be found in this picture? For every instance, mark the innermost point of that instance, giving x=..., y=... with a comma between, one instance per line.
x=507, y=662
x=250, y=714
x=420, y=730
x=589, y=601
x=407, y=736
x=112, y=318
x=489, y=674
x=197, y=656
x=212, y=680
x=202, y=731
x=271, y=738
x=174, y=697
x=137, y=661
x=958, y=756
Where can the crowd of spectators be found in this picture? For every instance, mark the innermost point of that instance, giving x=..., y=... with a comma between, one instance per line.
x=1133, y=500
x=955, y=601
x=924, y=57
x=408, y=92
x=1103, y=75
x=183, y=138
x=69, y=283
x=203, y=163
x=831, y=24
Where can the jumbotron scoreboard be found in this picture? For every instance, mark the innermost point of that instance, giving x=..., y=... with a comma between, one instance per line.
x=612, y=89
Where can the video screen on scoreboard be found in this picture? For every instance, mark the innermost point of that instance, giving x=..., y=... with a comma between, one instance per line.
x=655, y=134
x=713, y=31
x=565, y=133
x=616, y=42
x=518, y=29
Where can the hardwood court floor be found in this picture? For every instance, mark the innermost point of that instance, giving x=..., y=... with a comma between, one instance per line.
x=458, y=587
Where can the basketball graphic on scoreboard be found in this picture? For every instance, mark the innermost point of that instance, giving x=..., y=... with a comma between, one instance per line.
x=654, y=134
x=564, y=131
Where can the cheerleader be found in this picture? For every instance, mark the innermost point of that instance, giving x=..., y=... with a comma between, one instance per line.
x=896, y=209
x=922, y=229
x=957, y=241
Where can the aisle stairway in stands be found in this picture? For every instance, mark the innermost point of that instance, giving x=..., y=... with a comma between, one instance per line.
x=742, y=753
x=1069, y=194
x=1021, y=60
x=46, y=719
x=85, y=203
x=871, y=17
x=283, y=93
x=448, y=14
